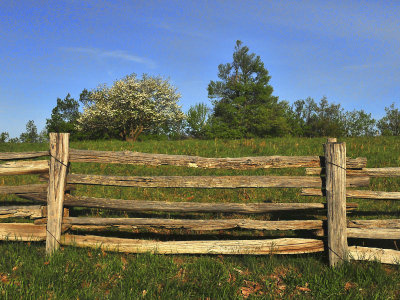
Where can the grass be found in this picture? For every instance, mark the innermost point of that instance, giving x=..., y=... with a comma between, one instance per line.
x=74, y=273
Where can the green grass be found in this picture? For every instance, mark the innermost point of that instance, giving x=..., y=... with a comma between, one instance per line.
x=73, y=273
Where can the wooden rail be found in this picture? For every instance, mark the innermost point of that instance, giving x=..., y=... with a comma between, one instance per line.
x=22, y=155
x=185, y=207
x=188, y=224
x=242, y=163
x=370, y=172
x=24, y=167
x=208, y=182
x=361, y=194
x=232, y=247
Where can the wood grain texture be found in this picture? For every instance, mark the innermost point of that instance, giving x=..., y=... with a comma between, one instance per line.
x=241, y=163
x=22, y=155
x=387, y=223
x=335, y=158
x=22, y=232
x=23, y=189
x=208, y=181
x=235, y=247
x=370, y=172
x=385, y=256
x=190, y=224
x=361, y=194
x=59, y=144
x=24, y=167
x=144, y=205
x=374, y=233
x=23, y=211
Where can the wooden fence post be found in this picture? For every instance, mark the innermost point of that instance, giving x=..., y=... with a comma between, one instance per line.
x=335, y=164
x=59, y=144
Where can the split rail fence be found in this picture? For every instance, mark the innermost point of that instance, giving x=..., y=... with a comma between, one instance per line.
x=336, y=173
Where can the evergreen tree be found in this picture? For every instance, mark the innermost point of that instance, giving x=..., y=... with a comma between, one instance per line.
x=64, y=116
x=243, y=102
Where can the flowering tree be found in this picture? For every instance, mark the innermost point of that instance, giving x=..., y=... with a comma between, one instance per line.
x=131, y=106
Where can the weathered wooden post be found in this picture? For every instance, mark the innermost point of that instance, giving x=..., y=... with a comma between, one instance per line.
x=59, y=145
x=335, y=166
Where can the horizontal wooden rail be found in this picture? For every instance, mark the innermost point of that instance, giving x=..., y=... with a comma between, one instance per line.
x=22, y=155
x=265, y=162
x=209, y=181
x=254, y=247
x=374, y=233
x=24, y=167
x=24, y=211
x=142, y=205
x=386, y=256
x=23, y=189
x=190, y=224
x=370, y=172
x=361, y=194
x=22, y=232
x=387, y=223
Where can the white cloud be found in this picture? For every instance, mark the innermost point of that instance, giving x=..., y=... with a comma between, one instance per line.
x=117, y=54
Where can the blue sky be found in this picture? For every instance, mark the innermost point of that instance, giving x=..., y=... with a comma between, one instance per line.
x=348, y=51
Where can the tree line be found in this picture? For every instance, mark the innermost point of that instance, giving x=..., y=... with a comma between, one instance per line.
x=243, y=106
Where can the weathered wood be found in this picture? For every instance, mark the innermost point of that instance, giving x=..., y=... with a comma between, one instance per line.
x=221, y=224
x=387, y=223
x=374, y=233
x=361, y=194
x=22, y=155
x=37, y=197
x=335, y=159
x=149, y=159
x=24, y=211
x=22, y=232
x=255, y=247
x=24, y=167
x=208, y=181
x=385, y=256
x=59, y=144
x=144, y=205
x=23, y=189
x=370, y=172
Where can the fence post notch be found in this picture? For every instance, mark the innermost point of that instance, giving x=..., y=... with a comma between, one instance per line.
x=59, y=144
x=335, y=164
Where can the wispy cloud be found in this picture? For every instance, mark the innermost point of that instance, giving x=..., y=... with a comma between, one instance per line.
x=117, y=54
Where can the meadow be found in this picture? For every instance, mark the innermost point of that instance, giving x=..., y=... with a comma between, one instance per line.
x=72, y=273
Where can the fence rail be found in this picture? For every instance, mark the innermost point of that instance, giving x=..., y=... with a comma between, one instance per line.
x=335, y=172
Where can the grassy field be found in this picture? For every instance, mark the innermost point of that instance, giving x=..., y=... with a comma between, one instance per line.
x=73, y=273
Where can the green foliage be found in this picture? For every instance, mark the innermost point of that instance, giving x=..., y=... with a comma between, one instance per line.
x=390, y=124
x=64, y=116
x=30, y=135
x=313, y=119
x=4, y=136
x=131, y=106
x=359, y=123
x=197, y=117
x=243, y=101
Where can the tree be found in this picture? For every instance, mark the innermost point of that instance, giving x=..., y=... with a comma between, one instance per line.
x=318, y=119
x=4, y=136
x=30, y=135
x=243, y=102
x=64, y=116
x=132, y=106
x=359, y=123
x=390, y=124
x=196, y=119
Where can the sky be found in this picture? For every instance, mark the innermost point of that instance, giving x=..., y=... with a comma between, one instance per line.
x=348, y=51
